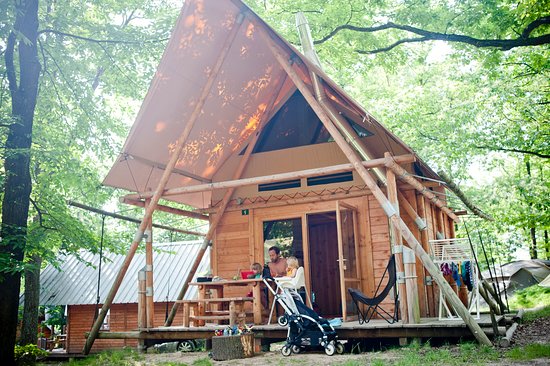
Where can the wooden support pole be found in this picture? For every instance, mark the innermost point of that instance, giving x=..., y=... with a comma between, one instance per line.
x=424, y=240
x=408, y=178
x=142, y=311
x=162, y=183
x=225, y=201
x=337, y=119
x=149, y=288
x=418, y=221
x=491, y=290
x=397, y=244
x=419, y=270
x=441, y=225
x=407, y=158
x=413, y=306
x=377, y=193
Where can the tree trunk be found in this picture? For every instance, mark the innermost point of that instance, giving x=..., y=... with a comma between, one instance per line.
x=532, y=229
x=17, y=185
x=546, y=244
x=533, y=243
x=29, y=328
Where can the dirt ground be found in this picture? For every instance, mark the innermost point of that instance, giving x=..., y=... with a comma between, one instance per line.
x=537, y=331
x=273, y=358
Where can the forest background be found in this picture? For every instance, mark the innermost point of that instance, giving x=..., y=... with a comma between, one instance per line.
x=464, y=83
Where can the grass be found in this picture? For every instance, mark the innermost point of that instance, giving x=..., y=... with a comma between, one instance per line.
x=122, y=357
x=530, y=297
x=424, y=354
x=529, y=316
x=529, y=352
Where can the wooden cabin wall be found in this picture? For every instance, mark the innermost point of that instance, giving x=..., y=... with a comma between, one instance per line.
x=231, y=250
x=381, y=250
x=123, y=317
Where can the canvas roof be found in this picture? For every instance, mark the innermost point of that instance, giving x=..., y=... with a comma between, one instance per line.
x=75, y=282
x=249, y=77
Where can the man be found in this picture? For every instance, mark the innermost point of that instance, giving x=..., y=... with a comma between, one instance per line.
x=277, y=265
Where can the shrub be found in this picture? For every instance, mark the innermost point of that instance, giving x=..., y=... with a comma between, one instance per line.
x=28, y=354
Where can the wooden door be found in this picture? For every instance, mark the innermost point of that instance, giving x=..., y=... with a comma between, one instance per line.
x=348, y=255
x=323, y=263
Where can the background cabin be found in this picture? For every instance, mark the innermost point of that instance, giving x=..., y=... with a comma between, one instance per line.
x=74, y=285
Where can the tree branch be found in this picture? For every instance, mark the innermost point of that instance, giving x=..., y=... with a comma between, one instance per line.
x=503, y=44
x=453, y=187
x=393, y=45
x=40, y=220
x=521, y=151
x=111, y=41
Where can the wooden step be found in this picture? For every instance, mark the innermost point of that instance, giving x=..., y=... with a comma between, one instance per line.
x=215, y=317
x=216, y=300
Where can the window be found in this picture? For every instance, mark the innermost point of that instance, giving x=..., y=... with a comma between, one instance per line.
x=295, y=183
x=285, y=234
x=106, y=325
x=330, y=178
x=295, y=124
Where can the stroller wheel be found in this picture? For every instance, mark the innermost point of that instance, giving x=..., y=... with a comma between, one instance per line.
x=330, y=349
x=282, y=321
x=339, y=348
x=286, y=351
x=296, y=349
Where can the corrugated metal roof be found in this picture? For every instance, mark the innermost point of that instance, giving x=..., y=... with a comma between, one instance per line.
x=75, y=283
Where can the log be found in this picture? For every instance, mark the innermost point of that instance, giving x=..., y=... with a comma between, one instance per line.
x=408, y=178
x=489, y=300
x=396, y=241
x=232, y=347
x=507, y=339
x=340, y=168
x=490, y=289
x=453, y=187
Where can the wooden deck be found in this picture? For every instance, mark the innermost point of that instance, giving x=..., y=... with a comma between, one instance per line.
x=432, y=328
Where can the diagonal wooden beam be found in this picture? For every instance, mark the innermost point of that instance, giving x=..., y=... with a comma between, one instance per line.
x=168, y=209
x=408, y=178
x=227, y=196
x=377, y=192
x=162, y=183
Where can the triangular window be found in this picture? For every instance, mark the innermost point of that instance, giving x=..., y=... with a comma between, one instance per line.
x=295, y=124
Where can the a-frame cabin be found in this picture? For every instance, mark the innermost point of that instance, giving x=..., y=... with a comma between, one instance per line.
x=238, y=124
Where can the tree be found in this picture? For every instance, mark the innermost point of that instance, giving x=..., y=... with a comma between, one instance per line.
x=22, y=72
x=60, y=141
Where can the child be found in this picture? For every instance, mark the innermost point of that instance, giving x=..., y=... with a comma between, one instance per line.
x=292, y=266
x=257, y=269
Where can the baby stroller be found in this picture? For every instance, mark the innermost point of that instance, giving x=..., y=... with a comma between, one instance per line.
x=305, y=327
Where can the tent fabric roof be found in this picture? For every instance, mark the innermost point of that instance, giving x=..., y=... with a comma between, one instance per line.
x=247, y=81
x=75, y=282
x=537, y=268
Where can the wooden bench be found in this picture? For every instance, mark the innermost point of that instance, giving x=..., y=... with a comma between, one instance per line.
x=200, y=314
